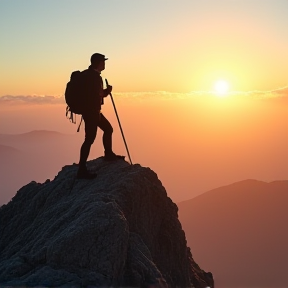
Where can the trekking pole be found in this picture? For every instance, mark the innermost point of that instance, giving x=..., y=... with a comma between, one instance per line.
x=119, y=124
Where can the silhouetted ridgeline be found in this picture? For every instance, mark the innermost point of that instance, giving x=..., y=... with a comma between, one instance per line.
x=119, y=229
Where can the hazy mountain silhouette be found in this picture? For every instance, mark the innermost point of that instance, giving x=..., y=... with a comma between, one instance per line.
x=7, y=151
x=31, y=139
x=240, y=233
x=8, y=155
x=36, y=155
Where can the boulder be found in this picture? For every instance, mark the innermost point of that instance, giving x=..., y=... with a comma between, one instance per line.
x=119, y=229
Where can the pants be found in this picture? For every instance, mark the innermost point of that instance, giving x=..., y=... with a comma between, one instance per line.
x=92, y=121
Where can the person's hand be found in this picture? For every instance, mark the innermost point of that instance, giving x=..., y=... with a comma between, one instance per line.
x=108, y=89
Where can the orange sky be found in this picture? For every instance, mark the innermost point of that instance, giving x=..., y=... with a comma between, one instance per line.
x=192, y=138
x=194, y=142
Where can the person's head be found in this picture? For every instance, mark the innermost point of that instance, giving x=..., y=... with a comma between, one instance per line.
x=98, y=61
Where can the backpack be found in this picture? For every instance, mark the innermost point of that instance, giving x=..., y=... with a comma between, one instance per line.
x=75, y=89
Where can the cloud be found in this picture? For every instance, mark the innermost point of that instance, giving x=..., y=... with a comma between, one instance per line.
x=277, y=95
x=282, y=91
x=126, y=96
x=31, y=99
x=280, y=94
x=154, y=95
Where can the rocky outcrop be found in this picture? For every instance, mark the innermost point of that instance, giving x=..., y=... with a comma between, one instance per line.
x=119, y=229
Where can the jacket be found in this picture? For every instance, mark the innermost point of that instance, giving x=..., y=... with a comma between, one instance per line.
x=94, y=92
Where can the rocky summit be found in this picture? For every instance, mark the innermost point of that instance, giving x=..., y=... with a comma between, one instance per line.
x=117, y=230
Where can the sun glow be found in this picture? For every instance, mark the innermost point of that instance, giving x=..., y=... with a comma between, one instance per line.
x=221, y=87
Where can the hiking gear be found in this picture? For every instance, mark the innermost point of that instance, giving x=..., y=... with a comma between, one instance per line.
x=111, y=156
x=78, y=129
x=74, y=94
x=119, y=124
x=72, y=118
x=83, y=173
x=96, y=57
x=75, y=89
x=84, y=93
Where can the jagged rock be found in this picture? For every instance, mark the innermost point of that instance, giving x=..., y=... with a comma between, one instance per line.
x=119, y=229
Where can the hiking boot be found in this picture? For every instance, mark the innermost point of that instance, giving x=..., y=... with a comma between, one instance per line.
x=113, y=157
x=85, y=174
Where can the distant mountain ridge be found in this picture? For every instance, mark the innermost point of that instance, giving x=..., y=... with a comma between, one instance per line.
x=4, y=149
x=35, y=155
x=32, y=132
x=241, y=233
x=32, y=135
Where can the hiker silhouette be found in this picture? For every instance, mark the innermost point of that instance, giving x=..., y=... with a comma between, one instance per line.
x=92, y=116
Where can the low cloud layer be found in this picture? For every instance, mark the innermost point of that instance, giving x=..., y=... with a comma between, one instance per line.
x=31, y=99
x=280, y=94
x=277, y=93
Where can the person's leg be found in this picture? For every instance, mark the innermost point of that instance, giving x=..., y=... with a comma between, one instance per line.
x=105, y=125
x=91, y=121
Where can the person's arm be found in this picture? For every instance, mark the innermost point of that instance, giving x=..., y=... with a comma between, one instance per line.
x=107, y=91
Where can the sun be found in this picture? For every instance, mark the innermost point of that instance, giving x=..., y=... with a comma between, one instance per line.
x=221, y=87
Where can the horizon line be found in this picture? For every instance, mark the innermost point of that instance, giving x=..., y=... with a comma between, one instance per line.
x=278, y=93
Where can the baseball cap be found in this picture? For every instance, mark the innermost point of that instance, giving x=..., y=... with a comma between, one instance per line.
x=97, y=57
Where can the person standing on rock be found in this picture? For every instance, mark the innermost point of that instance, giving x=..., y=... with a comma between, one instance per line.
x=93, y=117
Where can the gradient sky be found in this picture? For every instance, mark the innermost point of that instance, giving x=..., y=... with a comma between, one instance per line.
x=162, y=45
x=164, y=58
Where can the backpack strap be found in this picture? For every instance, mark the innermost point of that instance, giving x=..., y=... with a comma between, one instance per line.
x=71, y=117
x=67, y=111
x=80, y=124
